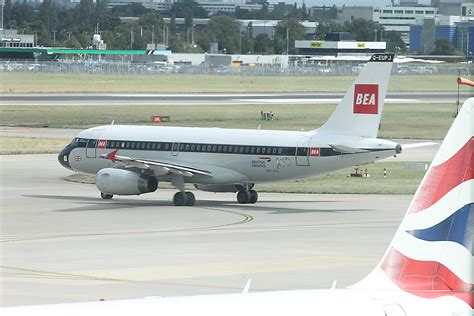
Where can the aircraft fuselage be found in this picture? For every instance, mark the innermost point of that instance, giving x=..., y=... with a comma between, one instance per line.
x=230, y=155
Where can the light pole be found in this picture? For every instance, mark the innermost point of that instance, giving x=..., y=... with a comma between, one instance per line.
x=287, y=39
x=153, y=36
x=240, y=41
x=192, y=34
x=54, y=37
x=467, y=43
x=164, y=34
x=35, y=38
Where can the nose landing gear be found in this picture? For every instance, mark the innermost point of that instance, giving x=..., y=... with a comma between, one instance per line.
x=106, y=196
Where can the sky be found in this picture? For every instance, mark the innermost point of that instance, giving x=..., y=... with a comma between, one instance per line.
x=346, y=2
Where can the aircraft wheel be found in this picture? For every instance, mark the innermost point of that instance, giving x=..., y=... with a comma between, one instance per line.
x=191, y=199
x=253, y=196
x=180, y=199
x=243, y=197
x=106, y=196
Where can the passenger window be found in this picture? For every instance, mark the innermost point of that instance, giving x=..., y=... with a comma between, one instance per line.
x=198, y=147
x=252, y=150
x=209, y=147
x=224, y=149
x=263, y=150
x=214, y=148
x=181, y=147
x=219, y=149
x=167, y=146
x=153, y=146
x=193, y=147
x=143, y=145
x=123, y=145
x=274, y=150
x=280, y=150
x=148, y=146
x=247, y=150
x=132, y=145
x=241, y=149
x=186, y=147
x=258, y=150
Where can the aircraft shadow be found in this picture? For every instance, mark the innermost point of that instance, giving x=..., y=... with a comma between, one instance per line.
x=259, y=207
x=96, y=204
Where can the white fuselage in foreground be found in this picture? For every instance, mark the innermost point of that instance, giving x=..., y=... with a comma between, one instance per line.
x=230, y=155
x=337, y=302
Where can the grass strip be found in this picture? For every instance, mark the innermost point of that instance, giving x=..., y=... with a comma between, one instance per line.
x=23, y=145
x=400, y=120
x=178, y=83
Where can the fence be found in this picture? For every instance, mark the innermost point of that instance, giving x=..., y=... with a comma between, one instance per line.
x=130, y=68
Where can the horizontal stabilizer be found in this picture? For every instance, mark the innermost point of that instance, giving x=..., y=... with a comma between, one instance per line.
x=416, y=145
x=343, y=149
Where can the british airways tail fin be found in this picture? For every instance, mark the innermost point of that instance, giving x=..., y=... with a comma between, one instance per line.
x=360, y=111
x=431, y=254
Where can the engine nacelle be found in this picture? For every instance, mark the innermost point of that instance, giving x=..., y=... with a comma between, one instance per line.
x=124, y=182
x=219, y=187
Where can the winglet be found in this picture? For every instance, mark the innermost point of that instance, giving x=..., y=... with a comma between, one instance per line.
x=112, y=155
x=247, y=287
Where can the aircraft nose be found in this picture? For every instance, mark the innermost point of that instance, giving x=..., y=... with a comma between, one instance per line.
x=63, y=157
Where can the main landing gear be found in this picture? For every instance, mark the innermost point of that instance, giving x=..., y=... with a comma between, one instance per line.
x=184, y=199
x=246, y=196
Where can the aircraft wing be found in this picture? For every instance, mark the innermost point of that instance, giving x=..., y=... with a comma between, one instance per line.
x=159, y=168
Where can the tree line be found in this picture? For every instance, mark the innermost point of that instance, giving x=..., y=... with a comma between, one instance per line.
x=73, y=27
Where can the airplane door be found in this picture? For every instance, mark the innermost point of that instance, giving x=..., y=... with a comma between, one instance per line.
x=91, y=147
x=175, y=149
x=302, y=151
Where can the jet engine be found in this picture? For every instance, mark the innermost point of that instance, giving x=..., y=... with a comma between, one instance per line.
x=219, y=187
x=124, y=182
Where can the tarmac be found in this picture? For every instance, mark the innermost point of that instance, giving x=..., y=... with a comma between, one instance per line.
x=107, y=99
x=61, y=243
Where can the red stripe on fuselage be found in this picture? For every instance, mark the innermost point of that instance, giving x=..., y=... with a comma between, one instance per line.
x=428, y=279
x=443, y=178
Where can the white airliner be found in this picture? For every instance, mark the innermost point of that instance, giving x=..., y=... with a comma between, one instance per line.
x=233, y=160
x=427, y=269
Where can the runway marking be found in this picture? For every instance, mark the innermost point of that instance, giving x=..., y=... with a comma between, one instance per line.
x=53, y=275
x=40, y=274
x=246, y=219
